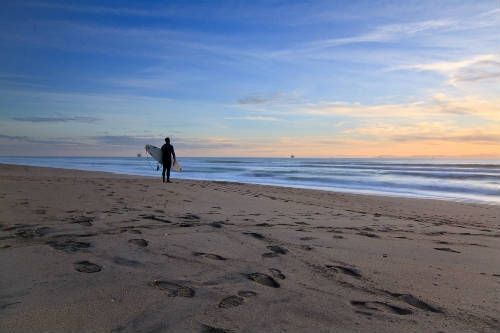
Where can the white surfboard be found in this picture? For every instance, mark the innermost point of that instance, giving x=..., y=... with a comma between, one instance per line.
x=156, y=153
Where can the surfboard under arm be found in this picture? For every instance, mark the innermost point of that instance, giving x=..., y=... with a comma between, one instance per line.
x=156, y=153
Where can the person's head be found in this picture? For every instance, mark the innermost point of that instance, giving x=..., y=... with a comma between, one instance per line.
x=167, y=140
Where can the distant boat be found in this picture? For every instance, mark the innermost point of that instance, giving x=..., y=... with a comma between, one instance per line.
x=292, y=156
x=139, y=155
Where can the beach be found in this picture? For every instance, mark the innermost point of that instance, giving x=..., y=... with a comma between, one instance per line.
x=88, y=251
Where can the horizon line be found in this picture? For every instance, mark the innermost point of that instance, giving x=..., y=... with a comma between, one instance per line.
x=276, y=157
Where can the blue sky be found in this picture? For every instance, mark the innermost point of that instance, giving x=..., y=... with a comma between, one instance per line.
x=256, y=78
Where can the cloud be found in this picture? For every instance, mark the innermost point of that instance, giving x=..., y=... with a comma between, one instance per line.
x=254, y=118
x=210, y=143
x=40, y=141
x=102, y=10
x=439, y=105
x=390, y=32
x=481, y=70
x=478, y=68
x=123, y=140
x=271, y=98
x=111, y=145
x=166, y=43
x=177, y=142
x=451, y=66
x=425, y=132
x=379, y=34
x=76, y=119
x=99, y=101
x=480, y=138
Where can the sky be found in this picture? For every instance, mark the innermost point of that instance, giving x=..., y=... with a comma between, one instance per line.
x=251, y=78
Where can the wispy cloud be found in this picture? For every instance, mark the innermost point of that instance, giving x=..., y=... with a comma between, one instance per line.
x=138, y=142
x=163, y=43
x=426, y=132
x=451, y=66
x=270, y=98
x=477, y=68
x=76, y=119
x=258, y=118
x=479, y=71
x=103, y=98
x=102, y=9
x=386, y=33
x=41, y=141
x=389, y=33
x=478, y=138
x=439, y=105
x=378, y=34
x=123, y=140
x=108, y=145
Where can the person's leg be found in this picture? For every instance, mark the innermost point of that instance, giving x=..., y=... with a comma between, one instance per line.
x=168, y=174
x=163, y=173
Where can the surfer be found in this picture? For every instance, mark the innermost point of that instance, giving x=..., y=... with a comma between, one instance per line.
x=167, y=152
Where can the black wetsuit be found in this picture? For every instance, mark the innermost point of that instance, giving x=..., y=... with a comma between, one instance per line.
x=167, y=153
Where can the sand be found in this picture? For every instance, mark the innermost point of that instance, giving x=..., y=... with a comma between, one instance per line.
x=98, y=252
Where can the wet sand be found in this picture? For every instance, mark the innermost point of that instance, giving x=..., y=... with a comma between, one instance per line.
x=97, y=252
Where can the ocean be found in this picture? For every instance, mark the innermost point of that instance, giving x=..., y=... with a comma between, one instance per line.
x=449, y=179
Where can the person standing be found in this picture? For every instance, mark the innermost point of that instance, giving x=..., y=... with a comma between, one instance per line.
x=167, y=152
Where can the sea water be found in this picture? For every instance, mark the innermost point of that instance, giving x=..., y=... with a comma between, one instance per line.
x=450, y=179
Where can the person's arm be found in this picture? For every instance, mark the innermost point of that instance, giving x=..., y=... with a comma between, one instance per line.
x=173, y=153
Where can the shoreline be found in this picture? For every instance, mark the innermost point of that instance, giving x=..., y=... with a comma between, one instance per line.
x=298, y=187
x=95, y=251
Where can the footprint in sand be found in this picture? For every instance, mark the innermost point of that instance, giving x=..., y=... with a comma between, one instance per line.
x=270, y=255
x=187, y=225
x=28, y=233
x=447, y=249
x=413, y=301
x=381, y=306
x=263, y=279
x=173, y=289
x=276, y=273
x=68, y=245
x=346, y=270
x=154, y=218
x=190, y=217
x=230, y=302
x=254, y=234
x=126, y=262
x=278, y=249
x=367, y=234
x=247, y=293
x=212, y=329
x=139, y=242
x=82, y=220
x=87, y=267
x=209, y=256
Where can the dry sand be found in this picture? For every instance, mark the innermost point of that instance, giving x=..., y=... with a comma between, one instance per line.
x=97, y=252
